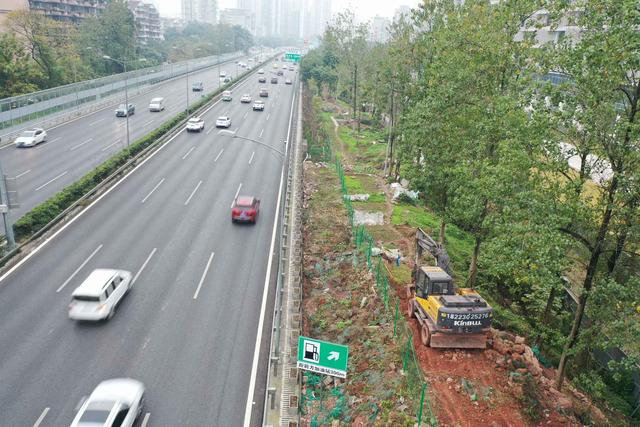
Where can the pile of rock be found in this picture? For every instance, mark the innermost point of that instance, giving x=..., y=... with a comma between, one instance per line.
x=510, y=352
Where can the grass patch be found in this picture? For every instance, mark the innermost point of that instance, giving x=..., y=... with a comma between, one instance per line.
x=362, y=184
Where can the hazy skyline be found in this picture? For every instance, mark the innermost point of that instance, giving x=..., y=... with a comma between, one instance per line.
x=364, y=9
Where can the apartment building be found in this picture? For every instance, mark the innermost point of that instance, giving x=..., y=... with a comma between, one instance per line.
x=147, y=21
x=8, y=6
x=67, y=10
x=241, y=17
x=200, y=11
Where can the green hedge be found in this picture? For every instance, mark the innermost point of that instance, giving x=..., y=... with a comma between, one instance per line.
x=41, y=215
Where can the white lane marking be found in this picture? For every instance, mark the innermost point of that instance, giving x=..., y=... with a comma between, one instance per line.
x=268, y=115
x=204, y=275
x=251, y=159
x=145, y=420
x=263, y=307
x=41, y=417
x=211, y=129
x=149, y=122
x=81, y=144
x=54, y=140
x=22, y=174
x=110, y=145
x=192, y=193
x=47, y=143
x=236, y=130
x=97, y=121
x=188, y=152
x=245, y=115
x=51, y=180
x=75, y=218
x=143, y=266
x=151, y=192
x=79, y=268
x=218, y=156
x=261, y=132
x=236, y=196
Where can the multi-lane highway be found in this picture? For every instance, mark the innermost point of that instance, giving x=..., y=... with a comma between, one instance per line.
x=188, y=328
x=76, y=147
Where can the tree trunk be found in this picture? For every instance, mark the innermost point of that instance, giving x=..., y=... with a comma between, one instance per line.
x=441, y=236
x=615, y=256
x=588, y=283
x=473, y=267
x=355, y=89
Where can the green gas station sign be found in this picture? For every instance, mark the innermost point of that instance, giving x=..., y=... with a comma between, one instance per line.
x=322, y=357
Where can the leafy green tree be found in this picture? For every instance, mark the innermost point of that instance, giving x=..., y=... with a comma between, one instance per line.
x=599, y=119
x=18, y=73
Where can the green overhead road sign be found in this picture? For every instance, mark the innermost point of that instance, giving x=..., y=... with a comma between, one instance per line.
x=289, y=56
x=322, y=357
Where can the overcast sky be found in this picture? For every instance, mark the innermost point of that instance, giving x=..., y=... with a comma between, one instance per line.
x=365, y=9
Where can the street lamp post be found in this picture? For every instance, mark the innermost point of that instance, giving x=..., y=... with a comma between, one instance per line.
x=126, y=86
x=234, y=135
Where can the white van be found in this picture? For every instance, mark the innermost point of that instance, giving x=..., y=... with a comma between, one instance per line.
x=156, y=104
x=226, y=95
x=97, y=297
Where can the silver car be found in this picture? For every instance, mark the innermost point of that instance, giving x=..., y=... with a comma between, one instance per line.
x=116, y=402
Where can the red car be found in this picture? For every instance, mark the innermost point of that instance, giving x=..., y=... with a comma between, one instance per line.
x=245, y=209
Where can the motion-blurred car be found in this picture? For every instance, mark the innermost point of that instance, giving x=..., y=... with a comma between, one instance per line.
x=29, y=138
x=223, y=122
x=156, y=104
x=245, y=209
x=125, y=110
x=280, y=73
x=227, y=79
x=291, y=68
x=223, y=74
x=288, y=82
x=245, y=99
x=261, y=71
x=264, y=93
x=195, y=124
x=262, y=79
x=197, y=86
x=227, y=95
x=113, y=403
x=258, y=105
x=274, y=80
x=99, y=294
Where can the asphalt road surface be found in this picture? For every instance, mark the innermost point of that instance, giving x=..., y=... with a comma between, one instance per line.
x=188, y=327
x=76, y=147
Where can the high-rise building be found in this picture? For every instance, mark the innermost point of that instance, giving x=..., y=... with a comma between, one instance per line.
x=200, y=11
x=291, y=22
x=379, y=29
x=317, y=14
x=67, y=10
x=147, y=21
x=402, y=11
x=240, y=17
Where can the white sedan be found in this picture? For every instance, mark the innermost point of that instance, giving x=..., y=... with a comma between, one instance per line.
x=195, y=124
x=116, y=402
x=246, y=99
x=223, y=122
x=29, y=138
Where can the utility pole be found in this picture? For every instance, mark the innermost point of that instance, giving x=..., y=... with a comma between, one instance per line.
x=187, y=87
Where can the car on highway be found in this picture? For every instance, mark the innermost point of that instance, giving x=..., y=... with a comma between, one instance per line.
x=156, y=104
x=197, y=86
x=280, y=73
x=262, y=79
x=98, y=296
x=227, y=79
x=258, y=105
x=227, y=95
x=288, y=82
x=274, y=80
x=245, y=209
x=29, y=138
x=264, y=93
x=245, y=99
x=223, y=74
x=261, y=71
x=125, y=110
x=275, y=65
x=223, y=122
x=291, y=68
x=113, y=403
x=195, y=124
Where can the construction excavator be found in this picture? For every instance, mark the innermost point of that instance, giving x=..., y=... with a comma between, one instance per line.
x=449, y=317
